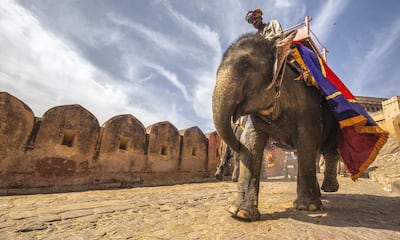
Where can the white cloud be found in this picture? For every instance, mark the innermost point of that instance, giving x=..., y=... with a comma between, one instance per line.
x=322, y=23
x=115, y=61
x=171, y=77
x=283, y=3
x=372, y=65
x=157, y=38
x=203, y=32
x=46, y=71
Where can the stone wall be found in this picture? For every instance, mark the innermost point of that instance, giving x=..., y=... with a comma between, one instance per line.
x=67, y=150
x=382, y=110
x=391, y=108
x=396, y=126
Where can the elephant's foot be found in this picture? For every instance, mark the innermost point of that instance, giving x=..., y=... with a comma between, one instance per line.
x=307, y=204
x=249, y=214
x=235, y=173
x=234, y=178
x=245, y=205
x=330, y=185
x=219, y=174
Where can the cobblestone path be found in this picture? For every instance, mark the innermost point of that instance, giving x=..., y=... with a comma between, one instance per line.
x=360, y=210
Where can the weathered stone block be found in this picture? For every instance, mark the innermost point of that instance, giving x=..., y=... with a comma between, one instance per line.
x=163, y=147
x=213, y=144
x=194, y=150
x=123, y=145
x=65, y=145
x=16, y=124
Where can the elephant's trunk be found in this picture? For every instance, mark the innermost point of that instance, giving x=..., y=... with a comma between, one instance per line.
x=225, y=101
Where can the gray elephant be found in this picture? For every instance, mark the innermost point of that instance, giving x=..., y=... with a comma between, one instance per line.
x=253, y=79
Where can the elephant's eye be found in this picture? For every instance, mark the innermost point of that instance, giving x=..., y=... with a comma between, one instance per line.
x=243, y=64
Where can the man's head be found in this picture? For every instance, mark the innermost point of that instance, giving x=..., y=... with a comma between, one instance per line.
x=255, y=17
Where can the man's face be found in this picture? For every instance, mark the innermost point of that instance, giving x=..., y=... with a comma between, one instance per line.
x=257, y=22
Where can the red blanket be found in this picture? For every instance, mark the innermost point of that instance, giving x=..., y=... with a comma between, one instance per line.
x=359, y=138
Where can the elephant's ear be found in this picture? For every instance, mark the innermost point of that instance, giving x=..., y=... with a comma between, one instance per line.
x=282, y=51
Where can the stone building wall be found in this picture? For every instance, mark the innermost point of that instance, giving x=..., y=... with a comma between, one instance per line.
x=67, y=150
x=370, y=104
x=164, y=147
x=382, y=110
x=194, y=150
x=391, y=108
x=121, y=151
x=396, y=126
x=212, y=151
x=16, y=124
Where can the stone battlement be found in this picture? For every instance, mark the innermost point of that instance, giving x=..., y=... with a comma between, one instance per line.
x=67, y=150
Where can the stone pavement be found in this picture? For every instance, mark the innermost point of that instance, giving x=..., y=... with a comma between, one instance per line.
x=365, y=209
x=360, y=210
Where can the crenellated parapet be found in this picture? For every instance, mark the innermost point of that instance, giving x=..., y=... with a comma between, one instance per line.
x=121, y=149
x=193, y=150
x=66, y=149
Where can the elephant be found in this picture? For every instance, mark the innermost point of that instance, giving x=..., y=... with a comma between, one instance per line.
x=255, y=79
x=226, y=153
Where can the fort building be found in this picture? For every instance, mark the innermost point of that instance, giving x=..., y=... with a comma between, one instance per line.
x=66, y=149
x=382, y=110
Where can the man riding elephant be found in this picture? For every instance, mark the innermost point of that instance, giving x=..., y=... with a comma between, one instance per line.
x=254, y=79
x=270, y=30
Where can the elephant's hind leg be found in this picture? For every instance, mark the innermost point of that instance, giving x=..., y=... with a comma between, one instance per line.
x=330, y=183
x=236, y=164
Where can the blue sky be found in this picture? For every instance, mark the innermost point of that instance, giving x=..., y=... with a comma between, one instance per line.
x=157, y=59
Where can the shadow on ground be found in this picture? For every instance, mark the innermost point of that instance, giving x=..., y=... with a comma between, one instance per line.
x=349, y=210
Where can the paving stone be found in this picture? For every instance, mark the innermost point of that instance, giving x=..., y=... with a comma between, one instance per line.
x=103, y=210
x=75, y=214
x=48, y=218
x=32, y=227
x=18, y=214
x=6, y=225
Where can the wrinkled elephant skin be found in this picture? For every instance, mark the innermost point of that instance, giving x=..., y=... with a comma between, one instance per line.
x=280, y=108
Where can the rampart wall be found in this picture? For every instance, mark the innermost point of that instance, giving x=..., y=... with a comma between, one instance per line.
x=67, y=150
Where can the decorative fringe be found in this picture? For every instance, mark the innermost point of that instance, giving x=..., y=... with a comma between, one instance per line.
x=374, y=152
x=357, y=120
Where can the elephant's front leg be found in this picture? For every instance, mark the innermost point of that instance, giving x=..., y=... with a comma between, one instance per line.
x=308, y=193
x=246, y=204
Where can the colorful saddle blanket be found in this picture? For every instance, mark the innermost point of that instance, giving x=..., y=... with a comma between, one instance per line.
x=359, y=138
